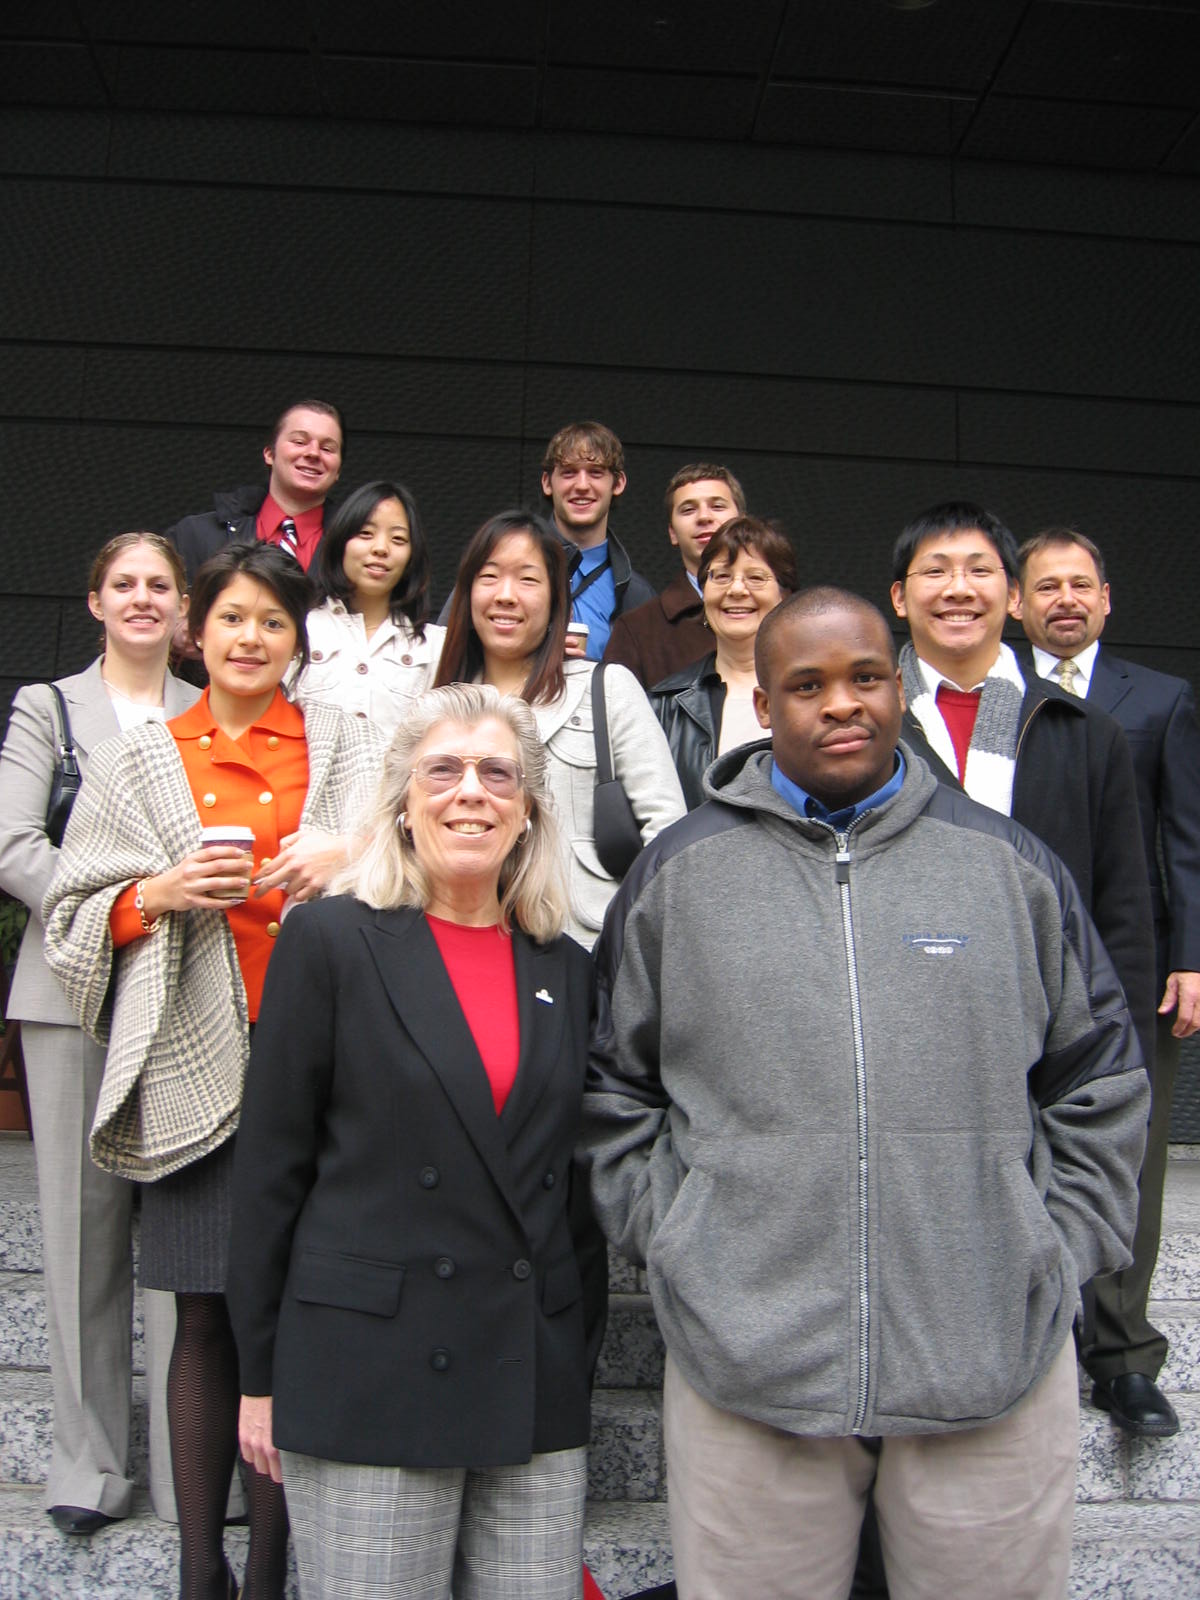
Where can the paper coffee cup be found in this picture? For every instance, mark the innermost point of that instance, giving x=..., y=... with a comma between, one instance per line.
x=236, y=838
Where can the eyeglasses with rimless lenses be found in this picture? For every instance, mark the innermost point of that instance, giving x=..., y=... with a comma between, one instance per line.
x=499, y=775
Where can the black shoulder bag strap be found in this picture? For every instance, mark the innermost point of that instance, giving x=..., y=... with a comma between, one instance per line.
x=615, y=830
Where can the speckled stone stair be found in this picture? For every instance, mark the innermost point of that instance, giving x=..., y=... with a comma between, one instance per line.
x=1137, y=1522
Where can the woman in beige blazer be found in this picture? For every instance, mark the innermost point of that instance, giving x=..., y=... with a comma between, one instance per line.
x=136, y=592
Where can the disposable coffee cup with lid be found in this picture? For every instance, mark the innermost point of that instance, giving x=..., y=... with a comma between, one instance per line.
x=236, y=838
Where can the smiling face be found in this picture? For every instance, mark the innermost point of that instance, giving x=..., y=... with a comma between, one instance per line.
x=738, y=595
x=955, y=598
x=833, y=703
x=697, y=511
x=462, y=836
x=305, y=459
x=375, y=558
x=1063, y=603
x=247, y=640
x=582, y=493
x=138, y=602
x=510, y=600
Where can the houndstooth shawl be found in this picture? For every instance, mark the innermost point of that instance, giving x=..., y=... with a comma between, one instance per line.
x=172, y=1007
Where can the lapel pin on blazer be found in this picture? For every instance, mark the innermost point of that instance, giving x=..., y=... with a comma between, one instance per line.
x=545, y=997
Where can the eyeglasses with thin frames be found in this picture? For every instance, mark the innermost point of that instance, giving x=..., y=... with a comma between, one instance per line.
x=967, y=571
x=499, y=775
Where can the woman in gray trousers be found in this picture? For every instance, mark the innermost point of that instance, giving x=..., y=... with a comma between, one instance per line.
x=136, y=591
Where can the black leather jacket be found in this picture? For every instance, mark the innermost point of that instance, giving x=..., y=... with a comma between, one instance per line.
x=689, y=705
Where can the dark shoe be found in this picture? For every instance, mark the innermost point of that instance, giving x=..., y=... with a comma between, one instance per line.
x=1137, y=1404
x=78, y=1519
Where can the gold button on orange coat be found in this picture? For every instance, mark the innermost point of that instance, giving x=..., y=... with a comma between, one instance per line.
x=272, y=929
x=210, y=799
x=273, y=742
x=265, y=798
x=206, y=741
x=266, y=861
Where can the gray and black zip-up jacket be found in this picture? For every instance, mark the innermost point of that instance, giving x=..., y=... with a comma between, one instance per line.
x=868, y=1107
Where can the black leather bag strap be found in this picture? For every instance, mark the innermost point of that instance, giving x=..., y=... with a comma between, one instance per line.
x=66, y=744
x=604, y=766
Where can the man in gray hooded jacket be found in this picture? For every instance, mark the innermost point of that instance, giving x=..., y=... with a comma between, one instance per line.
x=866, y=1101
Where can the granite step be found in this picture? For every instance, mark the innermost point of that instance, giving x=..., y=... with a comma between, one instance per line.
x=1122, y=1552
x=1138, y=1502
x=134, y=1559
x=626, y=1546
x=633, y=1352
x=625, y=1461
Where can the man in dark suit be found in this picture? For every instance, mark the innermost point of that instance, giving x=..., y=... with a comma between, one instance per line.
x=304, y=457
x=1064, y=602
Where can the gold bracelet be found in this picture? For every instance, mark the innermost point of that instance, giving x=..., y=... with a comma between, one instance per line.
x=139, y=900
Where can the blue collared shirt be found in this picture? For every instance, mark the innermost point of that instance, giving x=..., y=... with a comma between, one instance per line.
x=809, y=806
x=597, y=603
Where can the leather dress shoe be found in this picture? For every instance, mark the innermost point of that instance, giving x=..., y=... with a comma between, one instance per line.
x=1137, y=1404
x=78, y=1519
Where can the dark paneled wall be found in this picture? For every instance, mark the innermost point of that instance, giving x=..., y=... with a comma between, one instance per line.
x=856, y=335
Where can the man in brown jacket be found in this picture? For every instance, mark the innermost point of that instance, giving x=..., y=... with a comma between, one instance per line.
x=667, y=633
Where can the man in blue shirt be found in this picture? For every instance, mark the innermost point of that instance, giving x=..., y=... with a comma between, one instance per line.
x=583, y=472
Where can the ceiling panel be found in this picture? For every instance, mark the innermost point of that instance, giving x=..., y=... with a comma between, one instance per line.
x=43, y=74
x=672, y=35
x=50, y=19
x=1185, y=158
x=1080, y=83
x=265, y=24
x=472, y=30
x=864, y=119
x=497, y=95
x=946, y=46
x=159, y=77
x=1140, y=55
x=649, y=103
x=1122, y=137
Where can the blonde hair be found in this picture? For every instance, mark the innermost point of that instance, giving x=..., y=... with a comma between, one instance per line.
x=387, y=873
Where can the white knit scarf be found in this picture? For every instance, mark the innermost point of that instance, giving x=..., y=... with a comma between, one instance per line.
x=992, y=753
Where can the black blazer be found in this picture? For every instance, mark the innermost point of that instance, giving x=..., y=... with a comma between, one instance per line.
x=1158, y=714
x=1074, y=789
x=402, y=1275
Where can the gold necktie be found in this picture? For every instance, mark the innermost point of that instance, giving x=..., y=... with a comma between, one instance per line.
x=1067, y=672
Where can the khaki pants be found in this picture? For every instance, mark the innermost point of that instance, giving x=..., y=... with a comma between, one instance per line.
x=985, y=1511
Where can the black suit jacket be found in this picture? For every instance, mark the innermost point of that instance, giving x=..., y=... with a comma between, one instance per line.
x=403, y=1278
x=1074, y=789
x=1158, y=714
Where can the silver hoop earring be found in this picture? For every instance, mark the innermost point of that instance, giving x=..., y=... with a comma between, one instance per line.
x=402, y=824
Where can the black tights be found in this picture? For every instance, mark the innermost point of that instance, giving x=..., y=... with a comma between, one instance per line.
x=202, y=1409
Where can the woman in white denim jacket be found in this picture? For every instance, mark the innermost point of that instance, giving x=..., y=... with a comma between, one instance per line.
x=506, y=626
x=371, y=650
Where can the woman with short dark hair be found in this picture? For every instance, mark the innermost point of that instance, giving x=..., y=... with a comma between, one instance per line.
x=162, y=940
x=746, y=570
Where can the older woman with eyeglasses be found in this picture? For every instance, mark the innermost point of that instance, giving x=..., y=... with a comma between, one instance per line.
x=746, y=570
x=404, y=1284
